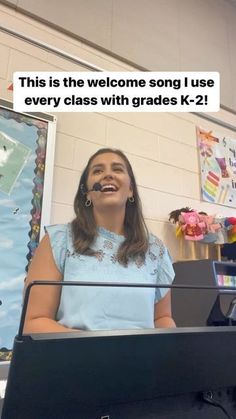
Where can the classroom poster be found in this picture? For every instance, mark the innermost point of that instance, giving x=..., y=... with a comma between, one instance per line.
x=217, y=156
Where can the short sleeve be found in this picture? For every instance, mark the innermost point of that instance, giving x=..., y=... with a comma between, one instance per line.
x=164, y=270
x=58, y=239
x=165, y=273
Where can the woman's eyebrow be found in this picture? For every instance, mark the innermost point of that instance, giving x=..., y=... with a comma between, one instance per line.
x=118, y=164
x=97, y=165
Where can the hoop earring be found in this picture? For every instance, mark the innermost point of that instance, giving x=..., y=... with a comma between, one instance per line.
x=88, y=203
x=131, y=199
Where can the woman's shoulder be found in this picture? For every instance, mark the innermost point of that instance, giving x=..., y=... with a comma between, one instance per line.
x=58, y=232
x=57, y=227
x=156, y=245
x=153, y=240
x=60, y=241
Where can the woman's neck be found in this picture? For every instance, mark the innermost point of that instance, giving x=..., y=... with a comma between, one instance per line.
x=110, y=220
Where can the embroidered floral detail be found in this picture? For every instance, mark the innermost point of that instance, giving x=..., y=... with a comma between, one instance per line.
x=73, y=254
x=152, y=255
x=113, y=258
x=158, y=242
x=99, y=255
x=107, y=244
x=161, y=251
x=154, y=272
x=69, y=253
x=139, y=262
x=161, y=248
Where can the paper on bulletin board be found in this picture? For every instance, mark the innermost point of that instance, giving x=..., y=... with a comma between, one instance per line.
x=217, y=157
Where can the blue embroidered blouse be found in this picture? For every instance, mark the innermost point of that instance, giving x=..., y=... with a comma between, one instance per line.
x=100, y=308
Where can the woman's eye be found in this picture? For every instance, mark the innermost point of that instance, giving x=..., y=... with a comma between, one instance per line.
x=97, y=171
x=118, y=169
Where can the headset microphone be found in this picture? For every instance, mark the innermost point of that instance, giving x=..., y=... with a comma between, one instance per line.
x=96, y=187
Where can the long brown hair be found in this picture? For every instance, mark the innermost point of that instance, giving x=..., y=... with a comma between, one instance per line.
x=84, y=228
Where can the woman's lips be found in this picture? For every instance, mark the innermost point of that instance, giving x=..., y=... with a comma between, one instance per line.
x=109, y=188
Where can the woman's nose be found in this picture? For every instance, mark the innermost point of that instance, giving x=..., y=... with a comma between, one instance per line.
x=108, y=174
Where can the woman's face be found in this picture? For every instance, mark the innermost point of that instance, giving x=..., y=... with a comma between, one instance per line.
x=109, y=169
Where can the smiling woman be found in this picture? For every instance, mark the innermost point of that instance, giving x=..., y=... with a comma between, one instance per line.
x=106, y=242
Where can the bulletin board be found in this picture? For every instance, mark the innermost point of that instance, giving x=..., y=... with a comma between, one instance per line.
x=27, y=145
x=217, y=156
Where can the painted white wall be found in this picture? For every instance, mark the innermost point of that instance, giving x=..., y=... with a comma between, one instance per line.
x=161, y=146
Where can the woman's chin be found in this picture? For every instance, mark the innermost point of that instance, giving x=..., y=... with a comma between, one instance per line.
x=110, y=202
